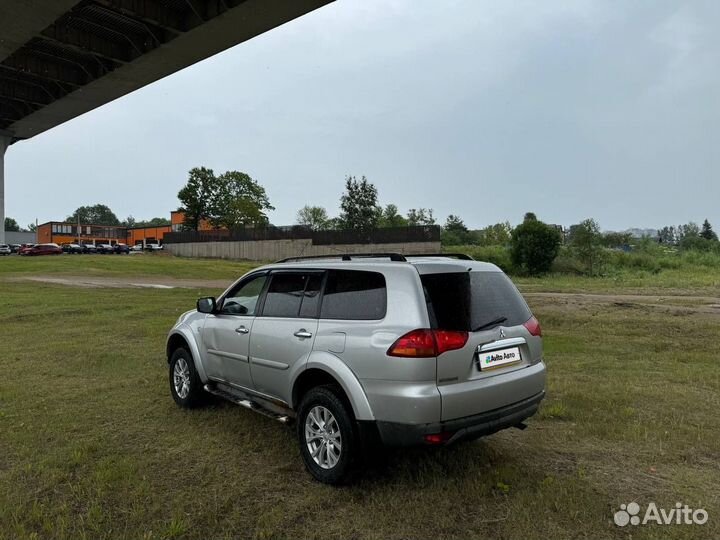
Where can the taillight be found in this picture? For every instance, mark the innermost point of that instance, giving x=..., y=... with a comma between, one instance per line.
x=425, y=343
x=438, y=438
x=533, y=326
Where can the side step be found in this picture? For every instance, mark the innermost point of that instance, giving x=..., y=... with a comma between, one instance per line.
x=247, y=403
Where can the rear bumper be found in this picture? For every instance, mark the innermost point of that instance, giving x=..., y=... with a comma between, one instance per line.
x=469, y=427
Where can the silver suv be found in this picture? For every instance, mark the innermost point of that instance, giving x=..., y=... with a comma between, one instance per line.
x=407, y=350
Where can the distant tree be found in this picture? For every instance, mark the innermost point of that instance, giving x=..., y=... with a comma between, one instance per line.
x=707, y=231
x=420, y=216
x=530, y=216
x=498, y=234
x=390, y=217
x=358, y=205
x=314, y=217
x=31, y=227
x=687, y=231
x=586, y=243
x=615, y=239
x=454, y=232
x=98, y=214
x=129, y=222
x=534, y=246
x=154, y=222
x=197, y=195
x=239, y=201
x=667, y=235
x=11, y=225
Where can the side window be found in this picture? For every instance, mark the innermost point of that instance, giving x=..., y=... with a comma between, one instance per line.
x=243, y=299
x=354, y=295
x=311, y=298
x=284, y=296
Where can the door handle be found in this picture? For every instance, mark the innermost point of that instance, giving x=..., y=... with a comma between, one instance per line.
x=242, y=330
x=302, y=333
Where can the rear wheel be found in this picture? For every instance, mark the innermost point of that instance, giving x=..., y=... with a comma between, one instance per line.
x=326, y=434
x=185, y=384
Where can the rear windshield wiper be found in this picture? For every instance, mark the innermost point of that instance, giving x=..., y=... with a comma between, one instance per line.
x=490, y=324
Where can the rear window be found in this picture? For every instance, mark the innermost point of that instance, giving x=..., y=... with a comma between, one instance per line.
x=354, y=295
x=469, y=300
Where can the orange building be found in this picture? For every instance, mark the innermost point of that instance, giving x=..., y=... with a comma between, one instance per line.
x=67, y=233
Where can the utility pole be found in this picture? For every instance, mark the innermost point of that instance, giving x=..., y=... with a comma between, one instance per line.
x=5, y=140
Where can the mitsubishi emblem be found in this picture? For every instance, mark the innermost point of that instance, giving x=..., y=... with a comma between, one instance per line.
x=502, y=334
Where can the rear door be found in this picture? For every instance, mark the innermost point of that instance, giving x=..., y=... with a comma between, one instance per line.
x=487, y=305
x=284, y=333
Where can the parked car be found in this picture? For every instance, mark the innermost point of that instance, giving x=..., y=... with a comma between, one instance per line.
x=105, y=249
x=137, y=247
x=24, y=248
x=122, y=248
x=5, y=249
x=44, y=249
x=153, y=246
x=421, y=350
x=89, y=248
x=15, y=247
x=72, y=249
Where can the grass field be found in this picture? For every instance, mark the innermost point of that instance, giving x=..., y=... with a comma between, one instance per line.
x=92, y=446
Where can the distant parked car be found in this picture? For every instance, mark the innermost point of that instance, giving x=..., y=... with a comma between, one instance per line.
x=24, y=248
x=15, y=247
x=5, y=249
x=44, y=249
x=137, y=247
x=105, y=249
x=153, y=246
x=72, y=249
x=89, y=248
x=122, y=248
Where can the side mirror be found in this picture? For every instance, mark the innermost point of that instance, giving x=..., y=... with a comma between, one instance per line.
x=206, y=305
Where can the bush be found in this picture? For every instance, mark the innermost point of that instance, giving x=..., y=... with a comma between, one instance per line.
x=498, y=255
x=534, y=247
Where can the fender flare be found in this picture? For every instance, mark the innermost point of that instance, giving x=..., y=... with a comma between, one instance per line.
x=185, y=332
x=332, y=365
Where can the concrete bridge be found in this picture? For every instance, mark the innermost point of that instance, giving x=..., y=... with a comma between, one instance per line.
x=62, y=58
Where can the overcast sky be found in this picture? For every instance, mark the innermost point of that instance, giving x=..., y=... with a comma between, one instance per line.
x=487, y=110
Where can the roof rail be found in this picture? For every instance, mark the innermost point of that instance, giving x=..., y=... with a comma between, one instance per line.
x=397, y=257
x=461, y=256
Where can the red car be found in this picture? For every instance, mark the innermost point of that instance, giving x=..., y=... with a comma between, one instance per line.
x=42, y=249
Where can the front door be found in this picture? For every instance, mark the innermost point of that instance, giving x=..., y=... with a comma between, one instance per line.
x=283, y=334
x=226, y=334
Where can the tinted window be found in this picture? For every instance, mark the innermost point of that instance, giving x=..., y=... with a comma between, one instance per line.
x=243, y=299
x=284, y=295
x=467, y=300
x=355, y=295
x=311, y=298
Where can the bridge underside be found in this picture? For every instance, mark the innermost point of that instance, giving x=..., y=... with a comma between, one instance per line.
x=62, y=58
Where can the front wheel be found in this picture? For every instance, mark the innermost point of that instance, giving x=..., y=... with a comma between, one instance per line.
x=185, y=384
x=326, y=434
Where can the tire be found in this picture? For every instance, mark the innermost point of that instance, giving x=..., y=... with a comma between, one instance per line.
x=329, y=466
x=189, y=396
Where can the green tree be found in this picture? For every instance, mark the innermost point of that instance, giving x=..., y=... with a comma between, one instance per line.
x=314, y=217
x=31, y=227
x=534, y=246
x=586, y=243
x=129, y=222
x=707, y=231
x=196, y=196
x=239, y=201
x=667, y=235
x=420, y=216
x=499, y=234
x=358, y=205
x=98, y=214
x=390, y=217
x=11, y=225
x=454, y=232
x=154, y=222
x=615, y=239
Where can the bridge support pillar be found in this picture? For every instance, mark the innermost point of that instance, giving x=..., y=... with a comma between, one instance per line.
x=4, y=143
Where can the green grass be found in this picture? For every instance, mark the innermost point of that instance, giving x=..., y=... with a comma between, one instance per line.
x=92, y=446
